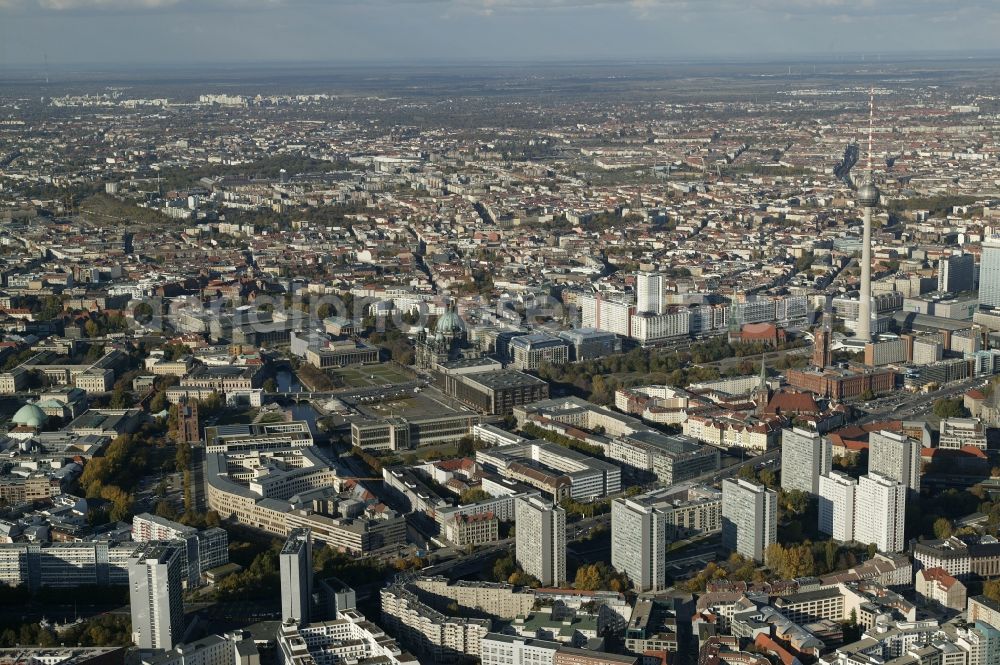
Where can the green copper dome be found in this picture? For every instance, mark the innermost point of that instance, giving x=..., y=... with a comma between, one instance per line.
x=29, y=415
x=450, y=323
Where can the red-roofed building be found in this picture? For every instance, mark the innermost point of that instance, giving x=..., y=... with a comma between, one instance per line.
x=791, y=403
x=768, y=333
x=844, y=447
x=967, y=459
x=939, y=588
x=973, y=401
x=768, y=645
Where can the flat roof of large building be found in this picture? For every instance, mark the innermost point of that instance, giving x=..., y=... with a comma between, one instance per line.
x=581, y=334
x=917, y=321
x=428, y=403
x=503, y=379
x=537, y=340
x=676, y=444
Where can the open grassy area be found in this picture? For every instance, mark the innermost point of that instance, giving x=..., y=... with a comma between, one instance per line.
x=366, y=376
x=236, y=416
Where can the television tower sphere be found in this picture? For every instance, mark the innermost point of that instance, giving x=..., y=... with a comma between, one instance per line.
x=868, y=194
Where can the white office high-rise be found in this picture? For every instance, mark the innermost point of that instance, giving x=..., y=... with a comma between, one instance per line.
x=805, y=456
x=989, y=273
x=749, y=518
x=639, y=543
x=880, y=512
x=295, y=565
x=155, y=577
x=836, y=505
x=649, y=293
x=540, y=542
x=895, y=456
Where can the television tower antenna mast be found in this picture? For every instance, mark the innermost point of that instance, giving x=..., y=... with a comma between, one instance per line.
x=871, y=128
x=867, y=197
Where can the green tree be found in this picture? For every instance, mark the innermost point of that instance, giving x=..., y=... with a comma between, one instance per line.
x=791, y=562
x=943, y=528
x=166, y=510
x=950, y=408
x=158, y=402
x=466, y=446
x=991, y=589
x=120, y=398
x=472, y=495
x=830, y=554
x=795, y=502
x=51, y=308
x=503, y=568
x=768, y=478
x=599, y=576
x=588, y=578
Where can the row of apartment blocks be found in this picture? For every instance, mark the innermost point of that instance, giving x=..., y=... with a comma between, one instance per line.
x=414, y=609
x=672, y=458
x=105, y=563
x=501, y=649
x=867, y=510
x=808, y=602
x=202, y=551
x=650, y=320
x=427, y=631
x=348, y=638
x=42, y=484
x=474, y=523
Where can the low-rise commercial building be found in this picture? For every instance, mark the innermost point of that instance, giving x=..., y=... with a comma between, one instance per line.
x=259, y=437
x=960, y=432
x=671, y=458
x=556, y=470
x=527, y=352
x=404, y=433
x=265, y=491
x=497, y=392
x=349, y=638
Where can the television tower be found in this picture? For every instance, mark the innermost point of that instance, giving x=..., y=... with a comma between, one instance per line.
x=867, y=198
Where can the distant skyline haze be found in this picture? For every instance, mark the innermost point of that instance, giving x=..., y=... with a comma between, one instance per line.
x=72, y=33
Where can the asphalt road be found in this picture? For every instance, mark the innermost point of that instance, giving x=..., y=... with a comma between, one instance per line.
x=903, y=405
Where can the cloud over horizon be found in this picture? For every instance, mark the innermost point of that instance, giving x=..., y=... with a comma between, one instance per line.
x=359, y=30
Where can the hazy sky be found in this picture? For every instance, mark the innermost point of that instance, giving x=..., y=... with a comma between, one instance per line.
x=192, y=31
